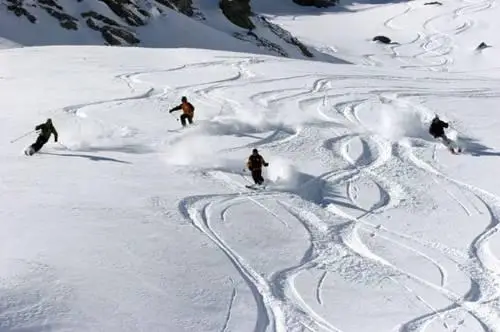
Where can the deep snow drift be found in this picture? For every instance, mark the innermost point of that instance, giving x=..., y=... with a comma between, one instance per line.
x=132, y=223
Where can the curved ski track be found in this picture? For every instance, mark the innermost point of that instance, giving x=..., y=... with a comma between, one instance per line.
x=280, y=305
x=432, y=47
x=479, y=264
x=352, y=156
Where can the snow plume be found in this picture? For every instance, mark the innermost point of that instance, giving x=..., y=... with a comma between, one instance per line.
x=282, y=172
x=250, y=121
x=397, y=121
x=189, y=150
x=91, y=136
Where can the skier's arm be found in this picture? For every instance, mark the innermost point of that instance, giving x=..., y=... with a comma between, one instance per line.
x=39, y=127
x=192, y=107
x=264, y=162
x=249, y=164
x=176, y=108
x=54, y=131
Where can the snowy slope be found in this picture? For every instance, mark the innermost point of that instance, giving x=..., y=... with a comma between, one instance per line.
x=169, y=29
x=132, y=224
x=140, y=23
x=429, y=37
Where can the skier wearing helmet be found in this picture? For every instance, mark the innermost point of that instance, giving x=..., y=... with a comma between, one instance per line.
x=254, y=164
x=187, y=111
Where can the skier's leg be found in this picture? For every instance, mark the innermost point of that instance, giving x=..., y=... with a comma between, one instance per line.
x=190, y=119
x=183, y=120
x=450, y=144
x=260, y=179
x=40, y=142
x=255, y=176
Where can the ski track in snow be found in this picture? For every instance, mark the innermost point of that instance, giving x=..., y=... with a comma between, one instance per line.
x=353, y=157
x=432, y=47
x=287, y=304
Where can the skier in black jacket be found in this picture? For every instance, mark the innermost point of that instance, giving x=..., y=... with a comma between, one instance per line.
x=254, y=164
x=437, y=128
x=46, y=129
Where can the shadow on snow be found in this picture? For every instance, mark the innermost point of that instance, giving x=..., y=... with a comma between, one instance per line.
x=474, y=148
x=87, y=156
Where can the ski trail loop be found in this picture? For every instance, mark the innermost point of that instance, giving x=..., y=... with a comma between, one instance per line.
x=274, y=305
x=353, y=155
x=481, y=264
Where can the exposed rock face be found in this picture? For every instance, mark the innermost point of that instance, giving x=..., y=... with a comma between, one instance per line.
x=117, y=20
x=109, y=29
x=184, y=6
x=238, y=12
x=286, y=36
x=130, y=12
x=316, y=3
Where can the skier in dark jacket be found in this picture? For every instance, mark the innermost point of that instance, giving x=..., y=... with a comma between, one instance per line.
x=437, y=129
x=187, y=110
x=46, y=129
x=254, y=164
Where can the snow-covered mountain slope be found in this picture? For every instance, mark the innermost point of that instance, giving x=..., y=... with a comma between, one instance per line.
x=158, y=23
x=129, y=223
x=95, y=24
x=426, y=35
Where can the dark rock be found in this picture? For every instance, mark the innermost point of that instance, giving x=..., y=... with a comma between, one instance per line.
x=125, y=35
x=166, y=3
x=433, y=3
x=482, y=46
x=382, y=39
x=16, y=6
x=111, y=31
x=50, y=3
x=286, y=36
x=316, y=3
x=66, y=21
x=121, y=8
x=100, y=17
x=91, y=24
x=184, y=6
x=250, y=36
x=238, y=12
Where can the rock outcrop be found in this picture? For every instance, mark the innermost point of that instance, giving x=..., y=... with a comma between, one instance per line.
x=238, y=12
x=316, y=3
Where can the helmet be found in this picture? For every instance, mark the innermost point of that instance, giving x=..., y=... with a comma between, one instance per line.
x=183, y=99
x=255, y=151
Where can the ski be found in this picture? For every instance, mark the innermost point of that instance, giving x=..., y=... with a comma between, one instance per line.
x=29, y=151
x=255, y=187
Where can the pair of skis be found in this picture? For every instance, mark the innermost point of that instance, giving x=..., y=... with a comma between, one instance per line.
x=453, y=146
x=255, y=186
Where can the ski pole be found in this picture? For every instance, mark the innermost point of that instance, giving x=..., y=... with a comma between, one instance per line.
x=174, y=117
x=24, y=135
